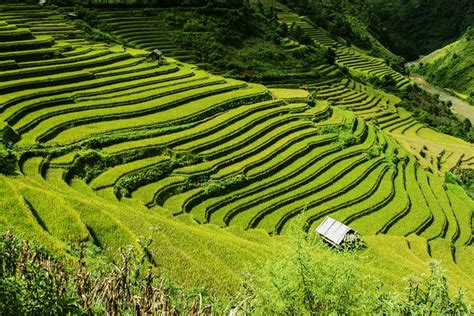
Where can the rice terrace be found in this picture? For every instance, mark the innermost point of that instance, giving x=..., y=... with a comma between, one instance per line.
x=234, y=157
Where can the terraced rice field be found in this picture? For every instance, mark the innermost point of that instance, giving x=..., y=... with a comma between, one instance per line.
x=167, y=137
x=358, y=63
x=434, y=151
x=145, y=32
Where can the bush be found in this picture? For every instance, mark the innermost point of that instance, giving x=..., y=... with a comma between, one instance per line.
x=425, y=297
x=32, y=281
x=313, y=279
x=8, y=161
x=35, y=283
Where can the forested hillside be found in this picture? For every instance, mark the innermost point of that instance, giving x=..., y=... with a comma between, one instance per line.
x=452, y=66
x=411, y=28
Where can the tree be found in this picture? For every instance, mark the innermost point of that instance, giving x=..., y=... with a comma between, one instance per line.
x=467, y=125
x=330, y=56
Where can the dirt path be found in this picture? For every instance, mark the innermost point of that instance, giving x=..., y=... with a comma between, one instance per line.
x=460, y=106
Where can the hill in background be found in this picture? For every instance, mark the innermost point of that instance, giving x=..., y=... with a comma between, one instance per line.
x=452, y=66
x=411, y=28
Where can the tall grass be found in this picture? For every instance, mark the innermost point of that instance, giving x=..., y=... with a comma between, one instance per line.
x=306, y=278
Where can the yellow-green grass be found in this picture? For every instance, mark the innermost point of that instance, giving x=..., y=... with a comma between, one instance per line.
x=440, y=249
x=462, y=206
x=377, y=200
x=147, y=193
x=112, y=175
x=231, y=251
x=41, y=41
x=136, y=93
x=38, y=90
x=160, y=107
x=232, y=138
x=60, y=68
x=440, y=223
x=419, y=215
x=290, y=171
x=287, y=194
x=179, y=242
x=177, y=202
x=265, y=154
x=337, y=196
x=377, y=221
x=463, y=256
x=241, y=133
x=294, y=152
x=268, y=142
x=34, y=102
x=437, y=186
x=217, y=124
x=121, y=100
x=17, y=217
x=54, y=61
x=290, y=93
x=64, y=159
x=185, y=111
x=230, y=131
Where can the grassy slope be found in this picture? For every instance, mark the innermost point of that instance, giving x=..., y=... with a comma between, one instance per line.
x=452, y=66
x=188, y=253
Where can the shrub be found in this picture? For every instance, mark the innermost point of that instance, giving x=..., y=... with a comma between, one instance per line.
x=32, y=281
x=425, y=297
x=35, y=283
x=8, y=161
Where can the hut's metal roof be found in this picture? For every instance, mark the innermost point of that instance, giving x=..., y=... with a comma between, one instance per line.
x=333, y=230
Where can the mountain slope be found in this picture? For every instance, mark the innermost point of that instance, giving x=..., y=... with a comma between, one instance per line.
x=452, y=66
x=412, y=28
x=113, y=146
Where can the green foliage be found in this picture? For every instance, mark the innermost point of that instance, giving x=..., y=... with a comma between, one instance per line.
x=88, y=165
x=32, y=281
x=134, y=180
x=36, y=283
x=8, y=161
x=244, y=44
x=347, y=139
x=412, y=28
x=452, y=66
x=314, y=279
x=344, y=19
x=375, y=151
x=435, y=113
x=463, y=177
x=387, y=82
x=87, y=15
x=425, y=297
x=218, y=187
x=310, y=278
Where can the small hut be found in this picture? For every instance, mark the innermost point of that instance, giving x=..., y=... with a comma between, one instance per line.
x=71, y=16
x=42, y=2
x=156, y=55
x=336, y=233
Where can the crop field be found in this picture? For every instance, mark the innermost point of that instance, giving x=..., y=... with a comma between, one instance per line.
x=113, y=146
x=145, y=32
x=348, y=57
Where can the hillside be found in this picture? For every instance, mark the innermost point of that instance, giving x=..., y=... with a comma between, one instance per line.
x=452, y=66
x=104, y=147
x=418, y=27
